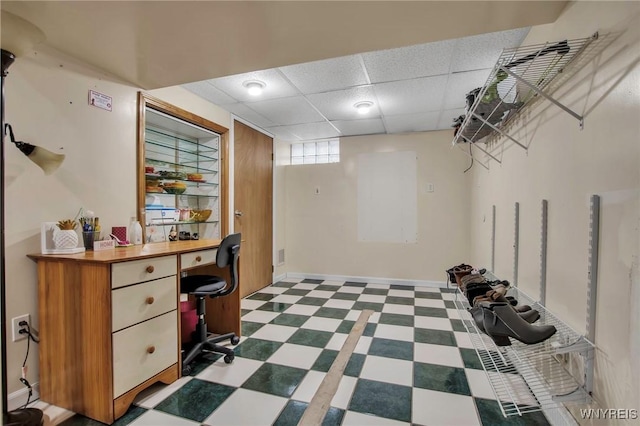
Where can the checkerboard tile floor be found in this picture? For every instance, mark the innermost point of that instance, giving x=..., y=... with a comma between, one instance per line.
x=414, y=364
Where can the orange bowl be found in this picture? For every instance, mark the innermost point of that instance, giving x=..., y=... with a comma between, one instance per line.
x=200, y=215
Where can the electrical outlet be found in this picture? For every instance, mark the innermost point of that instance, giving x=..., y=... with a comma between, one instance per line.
x=15, y=328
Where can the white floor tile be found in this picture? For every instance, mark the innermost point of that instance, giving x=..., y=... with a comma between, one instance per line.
x=382, y=286
x=443, y=409
x=158, y=392
x=337, y=283
x=158, y=418
x=351, y=418
x=295, y=356
x=463, y=340
x=350, y=289
x=449, y=296
x=479, y=384
x=291, y=280
x=430, y=303
x=247, y=407
x=427, y=289
x=251, y=303
x=453, y=313
x=260, y=316
x=374, y=298
x=437, y=354
x=395, y=332
x=273, y=290
x=433, y=323
x=286, y=298
x=336, y=341
x=305, y=286
x=320, y=293
x=234, y=374
x=307, y=310
x=322, y=324
x=345, y=390
x=362, y=347
x=390, y=308
x=388, y=370
x=278, y=333
x=309, y=386
x=401, y=293
x=353, y=315
x=339, y=304
x=374, y=318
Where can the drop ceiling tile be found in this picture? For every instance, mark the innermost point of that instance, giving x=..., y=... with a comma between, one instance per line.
x=482, y=51
x=459, y=84
x=276, y=85
x=411, y=96
x=367, y=126
x=287, y=111
x=207, y=91
x=313, y=131
x=412, y=122
x=246, y=113
x=446, y=118
x=339, y=105
x=281, y=132
x=326, y=75
x=409, y=62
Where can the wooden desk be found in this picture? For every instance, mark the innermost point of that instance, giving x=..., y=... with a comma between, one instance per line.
x=110, y=323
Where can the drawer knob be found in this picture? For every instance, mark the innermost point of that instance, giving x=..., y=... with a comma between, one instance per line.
x=150, y=300
x=198, y=259
x=150, y=269
x=151, y=349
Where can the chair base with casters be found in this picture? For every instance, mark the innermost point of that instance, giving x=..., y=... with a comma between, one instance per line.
x=203, y=286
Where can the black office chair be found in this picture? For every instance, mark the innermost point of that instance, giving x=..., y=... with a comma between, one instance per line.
x=203, y=286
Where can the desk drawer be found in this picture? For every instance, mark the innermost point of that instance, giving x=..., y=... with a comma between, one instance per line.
x=136, y=271
x=198, y=258
x=137, y=303
x=144, y=350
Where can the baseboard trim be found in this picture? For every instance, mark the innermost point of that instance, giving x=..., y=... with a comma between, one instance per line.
x=280, y=277
x=372, y=280
x=18, y=398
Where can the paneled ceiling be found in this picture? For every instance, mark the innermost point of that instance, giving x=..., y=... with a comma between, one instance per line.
x=317, y=57
x=412, y=89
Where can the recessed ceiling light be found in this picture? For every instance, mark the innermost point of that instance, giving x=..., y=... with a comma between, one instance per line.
x=254, y=87
x=363, y=107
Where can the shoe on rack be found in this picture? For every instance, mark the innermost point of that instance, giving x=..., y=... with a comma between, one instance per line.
x=478, y=317
x=450, y=272
x=499, y=297
x=500, y=322
x=476, y=290
x=460, y=271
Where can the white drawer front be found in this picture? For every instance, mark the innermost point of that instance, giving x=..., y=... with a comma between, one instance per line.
x=136, y=271
x=132, y=361
x=137, y=303
x=198, y=258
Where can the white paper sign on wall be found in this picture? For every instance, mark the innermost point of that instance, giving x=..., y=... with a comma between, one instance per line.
x=100, y=100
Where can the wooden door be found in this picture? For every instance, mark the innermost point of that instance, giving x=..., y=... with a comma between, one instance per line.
x=253, y=200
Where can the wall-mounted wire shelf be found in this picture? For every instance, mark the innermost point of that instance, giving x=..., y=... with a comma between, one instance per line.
x=520, y=77
x=527, y=378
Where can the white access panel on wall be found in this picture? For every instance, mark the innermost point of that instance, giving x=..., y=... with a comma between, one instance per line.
x=387, y=197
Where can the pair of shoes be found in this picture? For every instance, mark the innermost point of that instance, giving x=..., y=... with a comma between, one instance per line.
x=501, y=321
x=450, y=272
x=495, y=296
x=460, y=271
x=478, y=316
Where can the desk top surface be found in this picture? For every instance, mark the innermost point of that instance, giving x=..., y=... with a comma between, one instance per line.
x=122, y=254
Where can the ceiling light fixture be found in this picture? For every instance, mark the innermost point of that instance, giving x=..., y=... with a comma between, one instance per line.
x=254, y=87
x=363, y=107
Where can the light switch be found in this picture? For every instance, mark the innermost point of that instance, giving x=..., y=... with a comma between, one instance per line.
x=429, y=187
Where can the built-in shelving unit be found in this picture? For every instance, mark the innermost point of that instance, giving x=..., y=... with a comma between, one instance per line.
x=181, y=174
x=521, y=77
x=540, y=377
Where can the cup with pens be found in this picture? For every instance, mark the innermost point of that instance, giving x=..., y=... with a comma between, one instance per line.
x=90, y=231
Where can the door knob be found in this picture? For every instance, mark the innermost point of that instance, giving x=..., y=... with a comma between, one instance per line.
x=238, y=213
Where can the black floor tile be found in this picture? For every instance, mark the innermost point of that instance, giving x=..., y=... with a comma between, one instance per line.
x=248, y=327
x=382, y=399
x=325, y=287
x=296, y=292
x=195, y=400
x=325, y=360
x=391, y=349
x=257, y=349
x=428, y=295
x=315, y=301
x=396, y=319
x=261, y=296
x=331, y=313
x=354, y=365
x=440, y=378
x=431, y=312
x=361, y=306
x=376, y=291
x=275, y=379
x=311, y=281
x=274, y=307
x=345, y=296
x=436, y=337
x=400, y=300
x=283, y=284
x=292, y=320
x=315, y=338
x=354, y=284
x=490, y=414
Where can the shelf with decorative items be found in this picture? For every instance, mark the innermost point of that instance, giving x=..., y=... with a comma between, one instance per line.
x=532, y=377
x=182, y=185
x=521, y=77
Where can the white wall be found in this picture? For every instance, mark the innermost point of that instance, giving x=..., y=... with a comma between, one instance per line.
x=46, y=103
x=566, y=165
x=321, y=230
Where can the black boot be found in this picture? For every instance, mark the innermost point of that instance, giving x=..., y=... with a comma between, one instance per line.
x=478, y=317
x=501, y=322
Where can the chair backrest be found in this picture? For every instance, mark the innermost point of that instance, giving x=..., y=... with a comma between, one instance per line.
x=227, y=255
